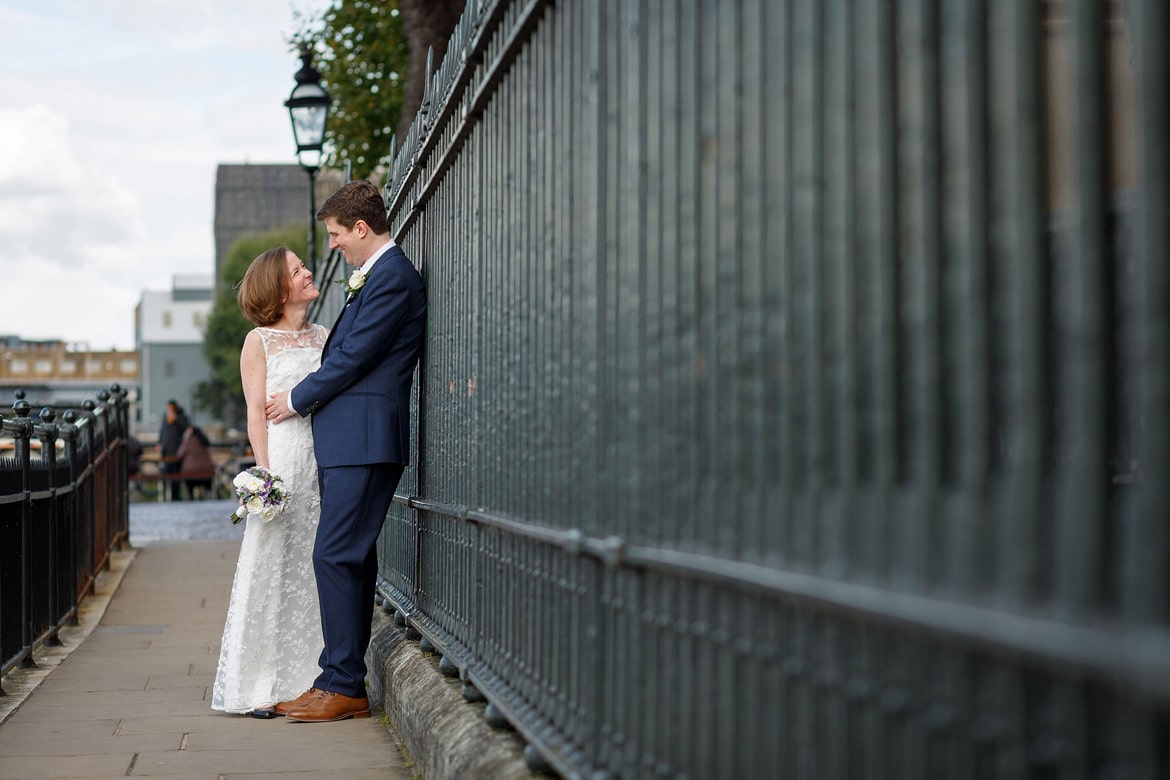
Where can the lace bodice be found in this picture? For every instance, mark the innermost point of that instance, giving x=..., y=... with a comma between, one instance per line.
x=291, y=354
x=272, y=637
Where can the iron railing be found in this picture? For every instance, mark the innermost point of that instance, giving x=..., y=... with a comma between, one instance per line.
x=796, y=393
x=63, y=510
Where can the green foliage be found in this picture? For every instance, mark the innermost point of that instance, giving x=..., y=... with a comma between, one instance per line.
x=223, y=394
x=361, y=52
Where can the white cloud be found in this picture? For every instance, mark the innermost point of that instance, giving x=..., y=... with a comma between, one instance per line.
x=36, y=302
x=56, y=208
x=116, y=116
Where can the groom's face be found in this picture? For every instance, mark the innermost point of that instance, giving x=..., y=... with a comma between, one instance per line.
x=348, y=240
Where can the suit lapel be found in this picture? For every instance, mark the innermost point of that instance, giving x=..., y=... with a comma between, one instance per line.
x=332, y=330
x=385, y=257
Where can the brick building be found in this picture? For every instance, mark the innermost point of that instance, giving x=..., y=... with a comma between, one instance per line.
x=56, y=372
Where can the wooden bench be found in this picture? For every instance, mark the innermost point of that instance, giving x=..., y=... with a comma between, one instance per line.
x=161, y=480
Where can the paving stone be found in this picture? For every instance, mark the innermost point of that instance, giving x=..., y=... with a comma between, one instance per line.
x=64, y=767
x=129, y=695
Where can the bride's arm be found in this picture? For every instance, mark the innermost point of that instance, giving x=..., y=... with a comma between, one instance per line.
x=253, y=375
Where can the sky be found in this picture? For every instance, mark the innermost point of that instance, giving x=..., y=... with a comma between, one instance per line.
x=115, y=115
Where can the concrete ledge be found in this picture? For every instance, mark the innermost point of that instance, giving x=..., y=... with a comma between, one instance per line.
x=446, y=735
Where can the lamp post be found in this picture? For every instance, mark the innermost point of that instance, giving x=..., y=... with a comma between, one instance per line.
x=308, y=109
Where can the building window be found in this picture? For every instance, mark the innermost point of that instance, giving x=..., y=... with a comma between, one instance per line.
x=19, y=366
x=93, y=366
x=166, y=319
x=68, y=367
x=197, y=319
x=169, y=368
x=44, y=366
x=129, y=367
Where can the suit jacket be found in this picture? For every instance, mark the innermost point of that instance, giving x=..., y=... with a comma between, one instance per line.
x=360, y=396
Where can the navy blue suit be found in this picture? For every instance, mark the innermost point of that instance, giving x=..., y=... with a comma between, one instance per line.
x=360, y=402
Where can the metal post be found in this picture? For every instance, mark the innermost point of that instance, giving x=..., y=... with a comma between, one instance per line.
x=312, y=171
x=23, y=457
x=69, y=432
x=47, y=432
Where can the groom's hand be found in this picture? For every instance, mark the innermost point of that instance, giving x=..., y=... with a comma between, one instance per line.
x=276, y=408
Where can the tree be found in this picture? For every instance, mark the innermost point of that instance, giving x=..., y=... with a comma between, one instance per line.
x=371, y=55
x=223, y=394
x=429, y=24
x=361, y=55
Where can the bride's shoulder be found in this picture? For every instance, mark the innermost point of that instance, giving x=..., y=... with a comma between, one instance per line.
x=255, y=344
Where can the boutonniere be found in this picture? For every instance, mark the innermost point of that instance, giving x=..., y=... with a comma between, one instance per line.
x=355, y=282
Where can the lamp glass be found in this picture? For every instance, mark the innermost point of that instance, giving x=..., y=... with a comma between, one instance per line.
x=309, y=158
x=308, y=106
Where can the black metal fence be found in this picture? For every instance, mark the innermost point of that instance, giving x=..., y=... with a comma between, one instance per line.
x=63, y=510
x=796, y=395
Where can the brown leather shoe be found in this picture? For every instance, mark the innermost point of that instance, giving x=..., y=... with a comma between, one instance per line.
x=330, y=706
x=283, y=707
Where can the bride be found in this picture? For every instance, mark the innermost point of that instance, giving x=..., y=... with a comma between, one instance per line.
x=272, y=638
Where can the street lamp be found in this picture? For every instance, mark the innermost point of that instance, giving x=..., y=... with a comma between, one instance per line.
x=308, y=109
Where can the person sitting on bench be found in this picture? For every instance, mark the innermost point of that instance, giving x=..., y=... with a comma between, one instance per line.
x=133, y=455
x=195, y=457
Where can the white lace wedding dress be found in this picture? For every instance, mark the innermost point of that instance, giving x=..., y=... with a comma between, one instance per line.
x=272, y=639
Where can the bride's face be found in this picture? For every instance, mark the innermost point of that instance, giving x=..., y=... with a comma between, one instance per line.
x=300, y=281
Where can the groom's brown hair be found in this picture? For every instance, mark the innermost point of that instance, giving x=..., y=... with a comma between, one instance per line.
x=357, y=200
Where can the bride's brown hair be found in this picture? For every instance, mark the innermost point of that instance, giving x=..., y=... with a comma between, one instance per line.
x=265, y=287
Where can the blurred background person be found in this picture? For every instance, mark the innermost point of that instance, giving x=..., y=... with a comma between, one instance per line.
x=170, y=438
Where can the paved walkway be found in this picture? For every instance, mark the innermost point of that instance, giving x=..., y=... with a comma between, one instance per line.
x=127, y=695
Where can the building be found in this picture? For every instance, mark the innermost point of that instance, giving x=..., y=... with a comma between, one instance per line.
x=57, y=373
x=169, y=327
x=255, y=198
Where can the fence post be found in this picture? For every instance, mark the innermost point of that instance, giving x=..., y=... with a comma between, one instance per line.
x=121, y=425
x=48, y=433
x=73, y=510
x=90, y=528
x=102, y=465
x=23, y=455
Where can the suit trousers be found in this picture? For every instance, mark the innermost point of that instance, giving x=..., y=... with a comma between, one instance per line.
x=354, y=502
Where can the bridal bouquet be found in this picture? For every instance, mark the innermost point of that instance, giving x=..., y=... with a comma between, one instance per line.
x=261, y=493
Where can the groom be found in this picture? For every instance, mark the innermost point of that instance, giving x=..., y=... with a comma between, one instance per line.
x=360, y=402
